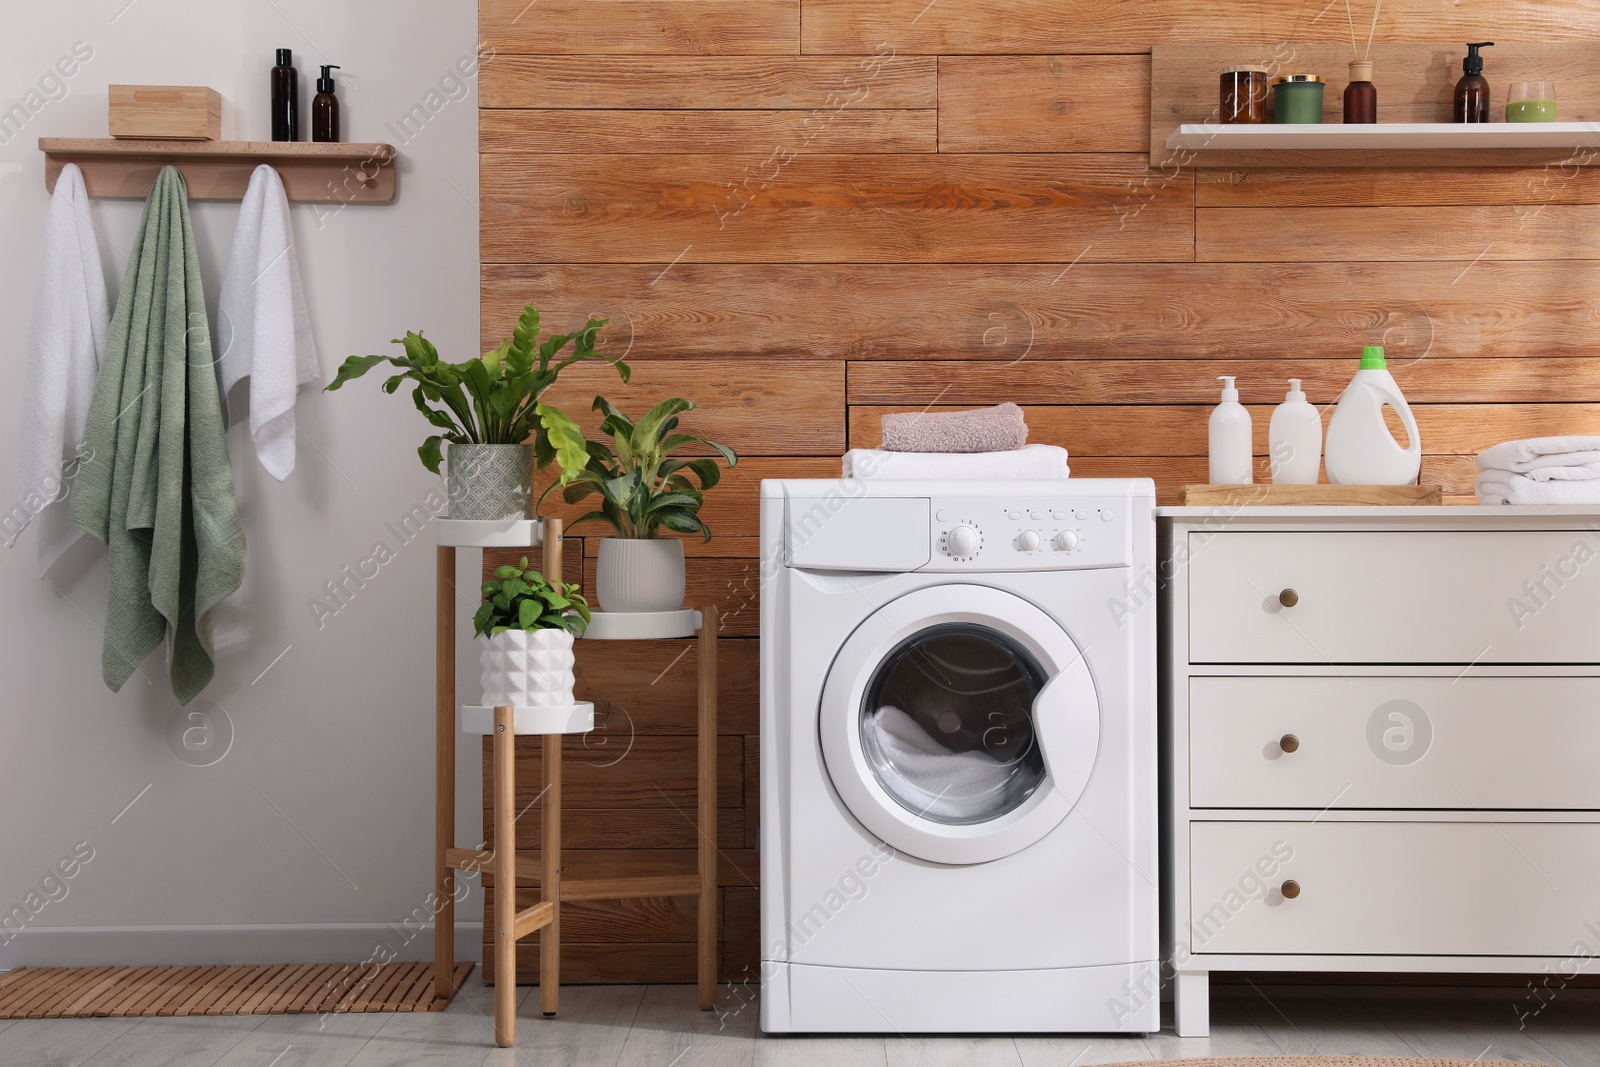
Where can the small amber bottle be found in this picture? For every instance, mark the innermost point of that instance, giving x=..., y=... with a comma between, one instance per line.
x=1360, y=96
x=1472, y=91
x=325, y=107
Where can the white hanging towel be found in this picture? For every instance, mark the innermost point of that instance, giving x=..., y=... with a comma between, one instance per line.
x=263, y=330
x=71, y=318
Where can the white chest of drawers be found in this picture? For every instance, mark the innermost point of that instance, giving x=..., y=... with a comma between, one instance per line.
x=1380, y=742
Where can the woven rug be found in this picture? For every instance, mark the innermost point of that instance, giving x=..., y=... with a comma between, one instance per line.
x=1319, y=1061
x=286, y=989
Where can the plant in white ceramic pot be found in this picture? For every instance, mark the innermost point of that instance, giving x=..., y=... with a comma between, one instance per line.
x=490, y=412
x=645, y=488
x=529, y=624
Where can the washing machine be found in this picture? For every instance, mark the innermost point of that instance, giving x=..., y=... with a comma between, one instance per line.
x=958, y=757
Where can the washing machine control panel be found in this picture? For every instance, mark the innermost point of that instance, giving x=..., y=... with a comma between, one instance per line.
x=999, y=534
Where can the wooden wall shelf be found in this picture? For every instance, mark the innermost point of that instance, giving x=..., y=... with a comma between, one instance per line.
x=1416, y=87
x=355, y=173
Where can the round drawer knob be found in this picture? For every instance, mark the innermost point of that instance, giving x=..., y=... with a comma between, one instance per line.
x=1288, y=598
x=1290, y=889
x=1289, y=743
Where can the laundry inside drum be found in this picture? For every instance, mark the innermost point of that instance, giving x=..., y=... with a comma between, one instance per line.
x=947, y=724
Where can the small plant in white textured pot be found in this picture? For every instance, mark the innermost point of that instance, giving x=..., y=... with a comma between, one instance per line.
x=644, y=490
x=529, y=625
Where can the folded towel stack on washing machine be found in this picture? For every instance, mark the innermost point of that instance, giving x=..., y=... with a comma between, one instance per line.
x=984, y=443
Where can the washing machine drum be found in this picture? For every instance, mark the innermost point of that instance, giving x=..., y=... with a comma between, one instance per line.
x=959, y=723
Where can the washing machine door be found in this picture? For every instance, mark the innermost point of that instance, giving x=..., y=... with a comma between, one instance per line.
x=959, y=723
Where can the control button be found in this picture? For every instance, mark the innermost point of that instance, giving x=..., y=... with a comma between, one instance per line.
x=943, y=515
x=1028, y=540
x=1059, y=516
x=1036, y=516
x=1013, y=515
x=963, y=541
x=1080, y=515
x=1106, y=516
x=1066, y=540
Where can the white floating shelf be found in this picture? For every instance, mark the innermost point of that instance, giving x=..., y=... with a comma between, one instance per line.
x=477, y=533
x=1201, y=137
x=573, y=719
x=641, y=625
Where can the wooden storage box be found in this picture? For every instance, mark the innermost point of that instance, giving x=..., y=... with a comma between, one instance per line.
x=166, y=113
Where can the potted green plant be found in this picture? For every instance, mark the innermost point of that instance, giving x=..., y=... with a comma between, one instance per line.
x=644, y=488
x=529, y=624
x=490, y=412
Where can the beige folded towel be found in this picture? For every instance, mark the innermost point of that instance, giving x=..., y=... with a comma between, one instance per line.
x=997, y=429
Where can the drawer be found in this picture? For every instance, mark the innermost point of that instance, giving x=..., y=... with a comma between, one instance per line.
x=1364, y=742
x=1413, y=888
x=1424, y=597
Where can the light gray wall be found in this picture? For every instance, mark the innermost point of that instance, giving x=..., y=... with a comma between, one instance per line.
x=320, y=816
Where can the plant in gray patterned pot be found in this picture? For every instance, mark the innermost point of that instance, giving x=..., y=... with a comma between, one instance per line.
x=491, y=413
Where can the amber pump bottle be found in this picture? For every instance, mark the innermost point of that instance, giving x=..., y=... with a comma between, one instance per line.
x=325, y=107
x=1472, y=91
x=285, y=98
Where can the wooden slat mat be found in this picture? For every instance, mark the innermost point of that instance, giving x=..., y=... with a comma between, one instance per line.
x=286, y=989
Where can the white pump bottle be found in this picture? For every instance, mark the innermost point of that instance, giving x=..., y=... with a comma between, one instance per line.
x=1295, y=438
x=1229, y=427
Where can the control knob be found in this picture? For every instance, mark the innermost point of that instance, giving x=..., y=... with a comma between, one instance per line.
x=1028, y=540
x=963, y=541
x=1066, y=540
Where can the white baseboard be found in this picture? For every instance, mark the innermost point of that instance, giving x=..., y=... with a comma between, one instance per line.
x=125, y=946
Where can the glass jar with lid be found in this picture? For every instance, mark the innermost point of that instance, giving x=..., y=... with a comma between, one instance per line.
x=1244, y=94
x=1297, y=98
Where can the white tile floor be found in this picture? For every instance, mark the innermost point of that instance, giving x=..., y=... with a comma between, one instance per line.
x=658, y=1026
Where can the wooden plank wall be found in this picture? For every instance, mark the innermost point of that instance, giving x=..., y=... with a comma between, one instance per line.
x=804, y=213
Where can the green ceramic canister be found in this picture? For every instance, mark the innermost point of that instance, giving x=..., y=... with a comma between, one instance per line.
x=1297, y=98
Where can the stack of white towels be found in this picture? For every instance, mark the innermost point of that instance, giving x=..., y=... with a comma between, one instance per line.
x=956, y=445
x=1541, y=470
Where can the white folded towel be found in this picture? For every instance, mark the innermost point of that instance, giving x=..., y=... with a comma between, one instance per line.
x=1520, y=457
x=1577, y=472
x=1503, y=487
x=71, y=318
x=262, y=325
x=1029, y=461
x=931, y=779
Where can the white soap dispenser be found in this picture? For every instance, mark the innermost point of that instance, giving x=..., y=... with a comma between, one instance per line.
x=1230, y=438
x=1295, y=436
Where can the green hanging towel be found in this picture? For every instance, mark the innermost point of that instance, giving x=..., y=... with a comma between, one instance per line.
x=155, y=484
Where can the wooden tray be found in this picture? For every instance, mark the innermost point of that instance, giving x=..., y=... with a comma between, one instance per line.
x=1307, y=495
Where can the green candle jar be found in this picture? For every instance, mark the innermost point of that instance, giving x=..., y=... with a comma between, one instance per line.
x=1533, y=101
x=1297, y=98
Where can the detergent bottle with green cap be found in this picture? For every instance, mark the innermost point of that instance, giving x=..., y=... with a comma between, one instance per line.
x=1360, y=449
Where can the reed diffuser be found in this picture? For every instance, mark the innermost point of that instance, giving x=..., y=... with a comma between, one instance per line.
x=1361, y=96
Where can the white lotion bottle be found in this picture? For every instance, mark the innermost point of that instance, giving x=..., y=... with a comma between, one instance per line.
x=1230, y=439
x=1295, y=437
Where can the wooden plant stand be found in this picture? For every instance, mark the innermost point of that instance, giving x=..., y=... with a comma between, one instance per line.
x=505, y=724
